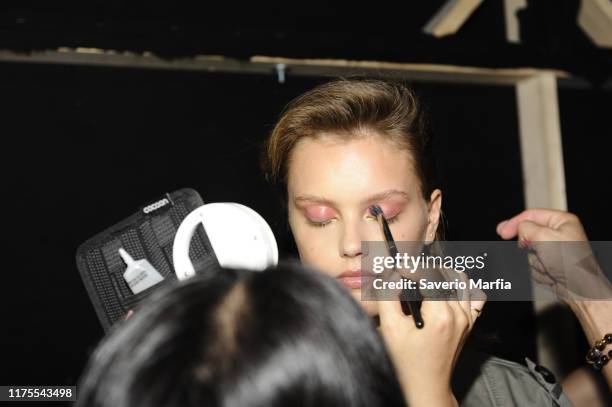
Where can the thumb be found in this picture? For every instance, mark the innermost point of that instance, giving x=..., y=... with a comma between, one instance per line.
x=530, y=231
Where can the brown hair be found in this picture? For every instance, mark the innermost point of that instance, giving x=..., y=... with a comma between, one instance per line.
x=352, y=107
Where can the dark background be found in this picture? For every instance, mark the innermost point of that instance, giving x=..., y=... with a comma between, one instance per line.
x=84, y=147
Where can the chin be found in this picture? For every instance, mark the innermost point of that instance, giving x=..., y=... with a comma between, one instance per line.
x=370, y=307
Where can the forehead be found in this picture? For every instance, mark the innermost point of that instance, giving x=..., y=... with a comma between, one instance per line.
x=356, y=167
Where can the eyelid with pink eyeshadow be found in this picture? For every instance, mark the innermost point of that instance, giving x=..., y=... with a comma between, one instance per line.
x=318, y=213
x=390, y=211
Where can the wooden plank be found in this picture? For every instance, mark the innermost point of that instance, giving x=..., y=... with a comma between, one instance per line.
x=513, y=31
x=450, y=17
x=408, y=71
x=268, y=65
x=544, y=187
x=595, y=18
x=540, y=137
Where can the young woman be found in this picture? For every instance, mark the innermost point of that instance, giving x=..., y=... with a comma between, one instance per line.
x=282, y=337
x=351, y=143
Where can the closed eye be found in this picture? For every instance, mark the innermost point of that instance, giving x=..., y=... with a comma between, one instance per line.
x=319, y=224
x=327, y=222
x=391, y=220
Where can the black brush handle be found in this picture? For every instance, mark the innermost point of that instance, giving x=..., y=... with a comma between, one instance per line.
x=414, y=306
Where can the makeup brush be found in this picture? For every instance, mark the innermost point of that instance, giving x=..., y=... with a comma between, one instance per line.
x=413, y=305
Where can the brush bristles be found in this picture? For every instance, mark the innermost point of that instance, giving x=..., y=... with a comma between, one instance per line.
x=375, y=210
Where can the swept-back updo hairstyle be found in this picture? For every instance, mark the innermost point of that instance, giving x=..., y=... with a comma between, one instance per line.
x=351, y=108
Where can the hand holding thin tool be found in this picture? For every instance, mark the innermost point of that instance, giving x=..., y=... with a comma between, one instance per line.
x=413, y=305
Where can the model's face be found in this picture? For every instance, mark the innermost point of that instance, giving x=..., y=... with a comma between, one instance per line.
x=332, y=183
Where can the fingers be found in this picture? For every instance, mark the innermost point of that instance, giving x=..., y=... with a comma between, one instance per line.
x=461, y=312
x=454, y=312
x=477, y=306
x=464, y=299
x=551, y=218
x=478, y=299
x=529, y=230
x=461, y=315
x=470, y=307
x=471, y=300
x=437, y=314
x=390, y=309
x=448, y=319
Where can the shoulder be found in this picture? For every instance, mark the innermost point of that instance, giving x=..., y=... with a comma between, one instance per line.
x=484, y=380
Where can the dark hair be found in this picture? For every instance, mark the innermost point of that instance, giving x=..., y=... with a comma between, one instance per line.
x=287, y=336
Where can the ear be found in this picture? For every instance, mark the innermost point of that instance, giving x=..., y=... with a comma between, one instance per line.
x=433, y=215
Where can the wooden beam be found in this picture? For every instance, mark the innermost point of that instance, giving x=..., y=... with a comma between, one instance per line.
x=544, y=187
x=268, y=65
x=595, y=18
x=450, y=17
x=540, y=138
x=513, y=29
x=408, y=71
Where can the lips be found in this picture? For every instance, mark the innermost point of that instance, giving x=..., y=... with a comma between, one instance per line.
x=354, y=279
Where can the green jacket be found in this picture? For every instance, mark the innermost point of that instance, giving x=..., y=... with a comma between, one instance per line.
x=483, y=380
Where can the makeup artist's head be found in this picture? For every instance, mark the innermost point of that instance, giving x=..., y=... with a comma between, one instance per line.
x=282, y=337
x=338, y=149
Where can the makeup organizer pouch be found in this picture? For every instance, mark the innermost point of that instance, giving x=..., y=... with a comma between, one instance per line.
x=147, y=234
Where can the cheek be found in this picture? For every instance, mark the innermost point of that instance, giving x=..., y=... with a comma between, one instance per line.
x=410, y=228
x=316, y=247
x=370, y=307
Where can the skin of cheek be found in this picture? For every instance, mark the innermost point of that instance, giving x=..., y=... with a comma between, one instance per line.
x=314, y=246
x=315, y=253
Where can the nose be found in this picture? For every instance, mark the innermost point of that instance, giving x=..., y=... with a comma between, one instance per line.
x=350, y=243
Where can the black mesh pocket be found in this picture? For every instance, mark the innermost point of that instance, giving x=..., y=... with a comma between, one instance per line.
x=148, y=233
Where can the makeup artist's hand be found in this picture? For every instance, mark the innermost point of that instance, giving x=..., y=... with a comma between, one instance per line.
x=547, y=225
x=560, y=254
x=424, y=358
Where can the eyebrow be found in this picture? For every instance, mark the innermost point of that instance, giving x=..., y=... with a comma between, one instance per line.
x=306, y=198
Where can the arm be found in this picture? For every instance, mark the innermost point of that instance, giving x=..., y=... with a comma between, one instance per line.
x=542, y=225
x=596, y=320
